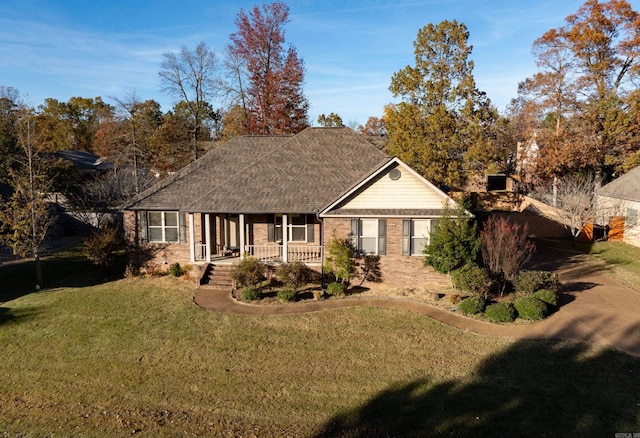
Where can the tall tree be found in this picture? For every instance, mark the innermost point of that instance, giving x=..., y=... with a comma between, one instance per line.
x=26, y=215
x=442, y=113
x=333, y=120
x=138, y=121
x=71, y=125
x=273, y=96
x=9, y=98
x=582, y=97
x=374, y=126
x=190, y=76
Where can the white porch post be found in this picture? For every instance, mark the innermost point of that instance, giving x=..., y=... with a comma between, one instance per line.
x=207, y=236
x=285, y=238
x=192, y=238
x=242, y=233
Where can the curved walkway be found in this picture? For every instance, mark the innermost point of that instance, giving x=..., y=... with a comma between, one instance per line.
x=594, y=308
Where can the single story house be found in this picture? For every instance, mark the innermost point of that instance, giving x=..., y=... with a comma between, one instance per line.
x=282, y=199
x=619, y=203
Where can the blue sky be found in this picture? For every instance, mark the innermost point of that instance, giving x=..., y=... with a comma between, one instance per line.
x=89, y=48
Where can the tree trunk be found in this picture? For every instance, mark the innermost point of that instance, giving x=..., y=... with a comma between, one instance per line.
x=36, y=257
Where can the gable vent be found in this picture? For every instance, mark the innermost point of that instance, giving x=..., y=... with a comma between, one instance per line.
x=395, y=174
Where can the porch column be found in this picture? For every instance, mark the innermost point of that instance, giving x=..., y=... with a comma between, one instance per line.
x=207, y=236
x=285, y=238
x=242, y=233
x=192, y=238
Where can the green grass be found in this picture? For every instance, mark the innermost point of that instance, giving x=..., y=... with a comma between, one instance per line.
x=137, y=356
x=619, y=260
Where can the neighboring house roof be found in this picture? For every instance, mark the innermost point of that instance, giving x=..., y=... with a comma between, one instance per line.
x=268, y=174
x=625, y=187
x=84, y=161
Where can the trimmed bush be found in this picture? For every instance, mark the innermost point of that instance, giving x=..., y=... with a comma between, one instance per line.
x=286, y=294
x=250, y=294
x=547, y=296
x=294, y=275
x=527, y=282
x=531, y=308
x=500, y=312
x=472, y=278
x=176, y=270
x=336, y=289
x=471, y=305
x=249, y=272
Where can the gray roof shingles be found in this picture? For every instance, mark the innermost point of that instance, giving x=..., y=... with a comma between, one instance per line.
x=626, y=186
x=268, y=174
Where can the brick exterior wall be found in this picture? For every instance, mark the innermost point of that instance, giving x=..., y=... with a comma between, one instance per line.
x=150, y=253
x=397, y=270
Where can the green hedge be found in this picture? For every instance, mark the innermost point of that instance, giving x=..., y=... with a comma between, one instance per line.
x=531, y=308
x=471, y=305
x=500, y=312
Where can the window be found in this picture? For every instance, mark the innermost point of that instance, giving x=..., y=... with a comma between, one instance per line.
x=368, y=236
x=632, y=216
x=416, y=234
x=299, y=228
x=163, y=226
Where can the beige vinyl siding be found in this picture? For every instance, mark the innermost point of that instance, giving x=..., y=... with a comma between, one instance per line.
x=407, y=192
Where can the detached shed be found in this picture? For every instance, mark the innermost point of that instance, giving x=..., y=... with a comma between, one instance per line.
x=620, y=201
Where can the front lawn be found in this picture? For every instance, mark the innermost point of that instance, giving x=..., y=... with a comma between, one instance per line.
x=136, y=356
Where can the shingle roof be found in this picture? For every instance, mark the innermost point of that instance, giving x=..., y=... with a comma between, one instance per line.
x=258, y=174
x=626, y=186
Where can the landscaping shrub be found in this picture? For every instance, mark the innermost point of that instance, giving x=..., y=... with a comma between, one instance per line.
x=101, y=247
x=336, y=289
x=500, y=312
x=340, y=260
x=294, y=275
x=531, y=308
x=527, y=282
x=547, y=296
x=249, y=272
x=176, y=270
x=455, y=299
x=250, y=294
x=472, y=278
x=286, y=294
x=471, y=305
x=453, y=242
x=505, y=249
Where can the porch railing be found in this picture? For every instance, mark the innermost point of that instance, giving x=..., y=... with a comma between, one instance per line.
x=295, y=253
x=200, y=251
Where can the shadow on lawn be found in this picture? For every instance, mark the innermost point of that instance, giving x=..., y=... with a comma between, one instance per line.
x=66, y=268
x=535, y=388
x=13, y=315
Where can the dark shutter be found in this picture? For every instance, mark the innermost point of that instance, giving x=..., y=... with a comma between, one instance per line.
x=182, y=223
x=406, y=237
x=382, y=237
x=144, y=232
x=310, y=236
x=355, y=233
x=271, y=228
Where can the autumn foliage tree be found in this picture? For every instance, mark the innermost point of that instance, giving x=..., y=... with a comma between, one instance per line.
x=272, y=98
x=442, y=114
x=582, y=99
x=505, y=248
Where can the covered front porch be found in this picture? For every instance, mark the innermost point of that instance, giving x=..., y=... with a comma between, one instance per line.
x=271, y=238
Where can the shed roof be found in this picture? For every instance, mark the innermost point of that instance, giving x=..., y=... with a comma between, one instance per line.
x=625, y=187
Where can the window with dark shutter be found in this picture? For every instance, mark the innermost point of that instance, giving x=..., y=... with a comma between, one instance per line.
x=382, y=237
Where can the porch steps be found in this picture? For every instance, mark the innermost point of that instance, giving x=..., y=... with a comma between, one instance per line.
x=217, y=277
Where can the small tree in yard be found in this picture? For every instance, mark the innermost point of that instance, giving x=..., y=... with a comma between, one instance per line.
x=340, y=261
x=505, y=248
x=453, y=242
x=101, y=248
